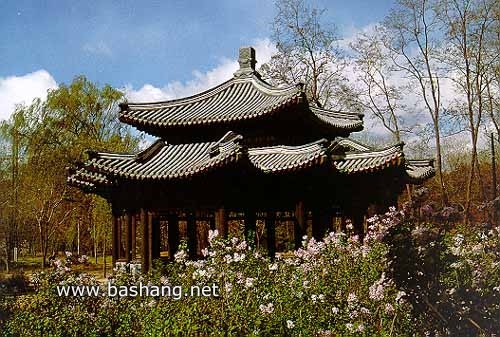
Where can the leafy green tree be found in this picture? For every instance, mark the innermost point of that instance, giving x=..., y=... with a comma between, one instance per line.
x=51, y=136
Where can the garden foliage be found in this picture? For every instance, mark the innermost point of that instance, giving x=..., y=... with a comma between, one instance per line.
x=402, y=279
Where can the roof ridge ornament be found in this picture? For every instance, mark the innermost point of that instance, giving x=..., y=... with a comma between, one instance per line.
x=230, y=136
x=247, y=62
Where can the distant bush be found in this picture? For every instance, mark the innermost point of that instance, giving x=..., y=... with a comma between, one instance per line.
x=10, y=287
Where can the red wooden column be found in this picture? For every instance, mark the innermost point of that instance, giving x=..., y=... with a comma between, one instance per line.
x=250, y=226
x=271, y=233
x=192, y=235
x=300, y=224
x=173, y=235
x=221, y=222
x=321, y=223
x=119, y=223
x=156, y=237
x=133, y=236
x=127, y=220
x=212, y=221
x=145, y=242
x=114, y=239
x=150, y=240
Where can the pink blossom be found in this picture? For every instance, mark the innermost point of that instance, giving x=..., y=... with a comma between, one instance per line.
x=266, y=308
x=212, y=234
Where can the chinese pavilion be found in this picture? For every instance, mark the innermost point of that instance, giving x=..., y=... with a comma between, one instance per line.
x=247, y=151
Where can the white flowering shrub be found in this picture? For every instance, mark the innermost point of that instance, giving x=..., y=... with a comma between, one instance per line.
x=403, y=279
x=471, y=282
x=451, y=274
x=325, y=288
x=334, y=287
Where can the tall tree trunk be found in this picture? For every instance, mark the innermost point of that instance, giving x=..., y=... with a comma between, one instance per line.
x=439, y=165
x=470, y=180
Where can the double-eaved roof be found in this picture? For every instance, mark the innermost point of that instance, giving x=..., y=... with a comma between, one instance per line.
x=243, y=98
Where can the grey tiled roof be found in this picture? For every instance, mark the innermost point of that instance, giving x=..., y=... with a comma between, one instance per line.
x=419, y=170
x=288, y=158
x=239, y=99
x=338, y=119
x=245, y=97
x=169, y=161
x=350, y=145
x=87, y=180
x=234, y=100
x=370, y=160
x=162, y=161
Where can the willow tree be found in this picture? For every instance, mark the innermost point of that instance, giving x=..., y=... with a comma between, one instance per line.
x=14, y=134
x=74, y=118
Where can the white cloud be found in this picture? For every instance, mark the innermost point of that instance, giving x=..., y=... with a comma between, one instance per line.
x=100, y=49
x=23, y=89
x=201, y=81
x=353, y=33
x=264, y=48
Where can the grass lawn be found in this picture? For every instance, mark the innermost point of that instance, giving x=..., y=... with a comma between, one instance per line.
x=30, y=264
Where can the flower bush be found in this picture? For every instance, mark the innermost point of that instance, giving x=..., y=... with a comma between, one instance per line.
x=337, y=286
x=472, y=280
x=451, y=274
x=403, y=279
x=322, y=288
x=10, y=287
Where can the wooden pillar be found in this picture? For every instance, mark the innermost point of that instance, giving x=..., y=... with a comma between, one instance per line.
x=119, y=237
x=114, y=240
x=300, y=224
x=250, y=227
x=128, y=235
x=321, y=222
x=356, y=213
x=173, y=235
x=145, y=249
x=150, y=241
x=133, y=240
x=191, y=233
x=316, y=225
x=221, y=222
x=156, y=233
x=358, y=219
x=211, y=223
x=271, y=233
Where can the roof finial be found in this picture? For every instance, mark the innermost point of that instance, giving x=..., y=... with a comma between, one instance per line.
x=247, y=62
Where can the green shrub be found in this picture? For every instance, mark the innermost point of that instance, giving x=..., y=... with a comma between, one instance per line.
x=405, y=279
x=338, y=286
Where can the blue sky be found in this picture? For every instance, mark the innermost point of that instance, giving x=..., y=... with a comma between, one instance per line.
x=170, y=47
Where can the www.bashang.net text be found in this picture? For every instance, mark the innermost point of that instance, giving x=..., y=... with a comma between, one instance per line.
x=146, y=290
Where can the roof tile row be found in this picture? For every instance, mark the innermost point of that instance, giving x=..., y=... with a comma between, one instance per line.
x=164, y=161
x=238, y=99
